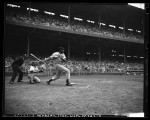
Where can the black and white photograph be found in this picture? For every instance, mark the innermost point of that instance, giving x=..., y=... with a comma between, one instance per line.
x=75, y=60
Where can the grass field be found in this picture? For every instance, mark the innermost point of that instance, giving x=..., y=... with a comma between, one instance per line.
x=90, y=95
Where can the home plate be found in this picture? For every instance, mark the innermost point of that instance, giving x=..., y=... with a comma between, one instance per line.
x=74, y=83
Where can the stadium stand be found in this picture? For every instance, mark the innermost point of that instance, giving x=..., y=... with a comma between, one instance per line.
x=42, y=20
x=78, y=66
x=90, y=67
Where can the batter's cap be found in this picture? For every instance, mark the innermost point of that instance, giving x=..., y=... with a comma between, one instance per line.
x=61, y=48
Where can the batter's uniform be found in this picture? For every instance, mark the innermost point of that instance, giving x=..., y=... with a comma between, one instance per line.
x=58, y=64
x=31, y=74
x=16, y=69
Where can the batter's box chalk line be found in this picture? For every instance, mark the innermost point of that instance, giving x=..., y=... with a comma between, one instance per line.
x=83, y=86
x=75, y=83
x=107, y=81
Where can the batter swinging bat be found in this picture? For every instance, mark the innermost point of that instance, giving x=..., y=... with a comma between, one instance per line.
x=35, y=57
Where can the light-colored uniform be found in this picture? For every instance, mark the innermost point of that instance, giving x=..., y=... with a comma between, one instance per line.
x=58, y=64
x=31, y=75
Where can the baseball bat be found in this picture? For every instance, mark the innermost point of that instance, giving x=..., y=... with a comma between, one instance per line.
x=35, y=57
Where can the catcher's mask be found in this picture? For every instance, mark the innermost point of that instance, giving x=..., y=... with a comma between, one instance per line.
x=33, y=64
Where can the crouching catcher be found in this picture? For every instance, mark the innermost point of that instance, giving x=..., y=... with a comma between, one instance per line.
x=31, y=73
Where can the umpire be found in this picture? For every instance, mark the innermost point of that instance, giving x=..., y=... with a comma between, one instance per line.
x=16, y=69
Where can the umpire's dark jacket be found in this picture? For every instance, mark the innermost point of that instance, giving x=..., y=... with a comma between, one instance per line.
x=15, y=67
x=18, y=62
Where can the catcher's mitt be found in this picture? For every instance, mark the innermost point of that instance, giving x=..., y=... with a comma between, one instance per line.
x=42, y=67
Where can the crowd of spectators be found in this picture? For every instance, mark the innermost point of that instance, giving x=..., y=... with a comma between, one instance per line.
x=8, y=61
x=50, y=21
x=78, y=66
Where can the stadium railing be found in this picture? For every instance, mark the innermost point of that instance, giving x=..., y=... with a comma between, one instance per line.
x=50, y=72
x=134, y=72
x=93, y=71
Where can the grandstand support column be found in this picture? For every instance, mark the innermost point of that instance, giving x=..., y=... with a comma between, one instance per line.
x=99, y=53
x=28, y=39
x=68, y=49
x=124, y=28
x=143, y=27
x=69, y=14
x=124, y=25
x=28, y=45
x=99, y=21
x=124, y=55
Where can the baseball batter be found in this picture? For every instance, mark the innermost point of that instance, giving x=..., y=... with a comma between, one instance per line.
x=31, y=73
x=58, y=58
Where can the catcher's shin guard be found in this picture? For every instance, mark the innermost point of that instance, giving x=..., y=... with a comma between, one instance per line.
x=31, y=76
x=31, y=82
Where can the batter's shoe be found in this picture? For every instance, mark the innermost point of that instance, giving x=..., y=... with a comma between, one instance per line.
x=19, y=81
x=48, y=82
x=68, y=84
x=11, y=82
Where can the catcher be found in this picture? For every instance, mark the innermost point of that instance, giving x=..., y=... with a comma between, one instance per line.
x=58, y=58
x=31, y=73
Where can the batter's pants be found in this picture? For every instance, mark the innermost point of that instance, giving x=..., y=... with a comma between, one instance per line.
x=60, y=68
